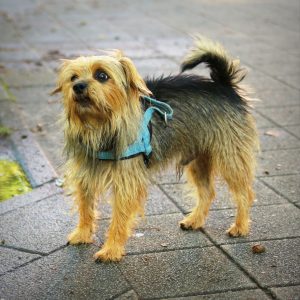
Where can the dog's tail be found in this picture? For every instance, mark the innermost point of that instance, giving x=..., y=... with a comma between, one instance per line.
x=223, y=68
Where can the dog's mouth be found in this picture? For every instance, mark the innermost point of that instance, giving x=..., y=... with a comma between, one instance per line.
x=83, y=100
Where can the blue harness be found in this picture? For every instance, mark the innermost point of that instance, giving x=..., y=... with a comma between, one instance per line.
x=142, y=145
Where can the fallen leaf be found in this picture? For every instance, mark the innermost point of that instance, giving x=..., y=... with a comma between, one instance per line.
x=272, y=132
x=258, y=248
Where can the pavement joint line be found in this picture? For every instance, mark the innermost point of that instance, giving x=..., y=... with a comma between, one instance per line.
x=28, y=204
x=23, y=250
x=277, y=192
x=33, y=260
x=207, y=293
x=281, y=149
x=128, y=282
x=171, y=199
x=124, y=292
x=276, y=175
x=284, y=285
x=240, y=267
x=163, y=250
x=277, y=124
x=260, y=240
x=20, y=266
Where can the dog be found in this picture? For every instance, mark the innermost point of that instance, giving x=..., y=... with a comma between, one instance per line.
x=202, y=125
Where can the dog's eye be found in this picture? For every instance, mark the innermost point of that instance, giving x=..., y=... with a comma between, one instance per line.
x=74, y=77
x=101, y=76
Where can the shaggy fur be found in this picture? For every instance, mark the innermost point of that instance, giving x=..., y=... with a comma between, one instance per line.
x=212, y=133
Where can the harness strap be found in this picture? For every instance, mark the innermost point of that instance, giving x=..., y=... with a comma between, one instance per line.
x=143, y=143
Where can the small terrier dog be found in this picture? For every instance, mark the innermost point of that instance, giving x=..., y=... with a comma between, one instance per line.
x=212, y=133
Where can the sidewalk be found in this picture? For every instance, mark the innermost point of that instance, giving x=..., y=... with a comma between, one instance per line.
x=162, y=261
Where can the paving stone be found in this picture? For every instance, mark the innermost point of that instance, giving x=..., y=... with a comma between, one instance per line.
x=131, y=295
x=156, y=204
x=268, y=222
x=180, y=194
x=159, y=233
x=262, y=122
x=28, y=76
x=40, y=227
x=294, y=129
x=156, y=67
x=159, y=275
x=289, y=115
x=230, y=295
x=287, y=185
x=37, y=194
x=276, y=138
x=41, y=111
x=65, y=274
x=11, y=259
x=279, y=162
x=26, y=150
x=287, y=292
x=278, y=97
x=279, y=265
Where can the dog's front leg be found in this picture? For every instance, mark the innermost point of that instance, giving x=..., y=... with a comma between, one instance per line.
x=87, y=209
x=125, y=206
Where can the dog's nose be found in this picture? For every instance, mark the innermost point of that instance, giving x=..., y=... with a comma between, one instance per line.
x=80, y=87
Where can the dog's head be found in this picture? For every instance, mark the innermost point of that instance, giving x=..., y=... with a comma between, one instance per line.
x=98, y=88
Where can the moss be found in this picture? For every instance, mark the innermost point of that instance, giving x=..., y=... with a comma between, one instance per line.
x=4, y=131
x=13, y=180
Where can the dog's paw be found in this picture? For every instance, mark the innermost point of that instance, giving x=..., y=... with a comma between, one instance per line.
x=109, y=254
x=235, y=231
x=190, y=224
x=80, y=236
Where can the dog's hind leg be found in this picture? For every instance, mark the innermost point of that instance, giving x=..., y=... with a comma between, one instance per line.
x=239, y=178
x=200, y=174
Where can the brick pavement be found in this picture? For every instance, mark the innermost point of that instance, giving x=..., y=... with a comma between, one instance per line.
x=163, y=261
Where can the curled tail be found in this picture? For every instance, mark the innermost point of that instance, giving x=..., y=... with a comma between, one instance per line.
x=223, y=68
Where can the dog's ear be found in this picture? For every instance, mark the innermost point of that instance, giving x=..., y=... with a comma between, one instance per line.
x=63, y=65
x=56, y=90
x=133, y=78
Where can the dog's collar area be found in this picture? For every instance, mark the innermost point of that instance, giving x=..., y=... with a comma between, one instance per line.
x=142, y=145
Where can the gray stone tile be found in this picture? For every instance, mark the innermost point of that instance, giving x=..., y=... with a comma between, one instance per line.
x=26, y=149
x=262, y=122
x=131, y=295
x=11, y=259
x=288, y=115
x=287, y=292
x=294, y=129
x=180, y=194
x=276, y=138
x=279, y=265
x=230, y=295
x=268, y=222
x=28, y=76
x=183, y=272
x=279, y=162
x=156, y=66
x=287, y=185
x=160, y=233
x=65, y=274
x=41, y=226
x=156, y=204
x=278, y=97
x=37, y=194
